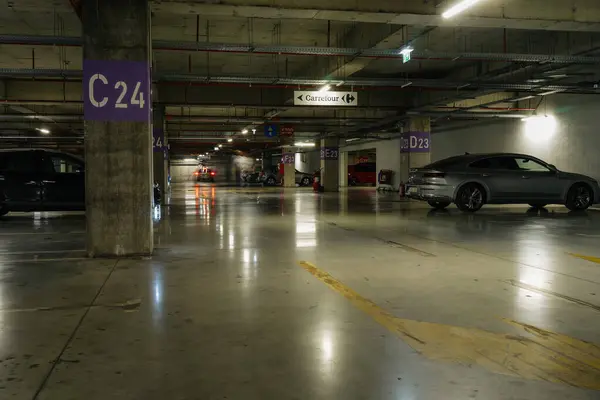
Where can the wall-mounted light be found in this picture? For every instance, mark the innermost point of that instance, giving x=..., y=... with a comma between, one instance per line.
x=43, y=130
x=304, y=144
x=540, y=126
x=458, y=8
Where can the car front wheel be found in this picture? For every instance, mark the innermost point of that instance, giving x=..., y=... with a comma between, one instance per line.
x=305, y=181
x=470, y=197
x=579, y=197
x=438, y=205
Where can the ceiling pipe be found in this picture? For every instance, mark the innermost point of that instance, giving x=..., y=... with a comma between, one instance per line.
x=237, y=48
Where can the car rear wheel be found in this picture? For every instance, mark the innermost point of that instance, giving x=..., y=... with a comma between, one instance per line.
x=305, y=181
x=470, y=197
x=579, y=197
x=438, y=205
x=271, y=181
x=538, y=205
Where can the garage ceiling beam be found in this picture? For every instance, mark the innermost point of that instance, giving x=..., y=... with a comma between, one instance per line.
x=291, y=83
x=374, y=52
x=551, y=15
x=560, y=15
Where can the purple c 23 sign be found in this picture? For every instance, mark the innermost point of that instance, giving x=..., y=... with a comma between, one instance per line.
x=415, y=142
x=116, y=91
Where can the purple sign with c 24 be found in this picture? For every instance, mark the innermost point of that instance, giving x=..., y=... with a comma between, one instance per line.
x=116, y=90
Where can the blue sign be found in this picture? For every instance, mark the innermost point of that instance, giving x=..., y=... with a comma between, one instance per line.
x=271, y=131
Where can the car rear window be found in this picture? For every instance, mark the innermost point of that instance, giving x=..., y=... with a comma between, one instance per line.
x=446, y=162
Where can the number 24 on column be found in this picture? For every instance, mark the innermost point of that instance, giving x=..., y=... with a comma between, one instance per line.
x=136, y=99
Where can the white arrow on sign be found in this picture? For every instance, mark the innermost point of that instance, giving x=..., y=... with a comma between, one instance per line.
x=305, y=98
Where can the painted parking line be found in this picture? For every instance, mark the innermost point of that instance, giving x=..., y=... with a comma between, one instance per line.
x=587, y=258
x=540, y=355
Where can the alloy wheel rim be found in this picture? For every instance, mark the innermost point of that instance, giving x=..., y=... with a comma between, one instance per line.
x=582, y=198
x=473, y=198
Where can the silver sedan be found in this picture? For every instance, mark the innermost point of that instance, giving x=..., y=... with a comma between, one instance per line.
x=472, y=180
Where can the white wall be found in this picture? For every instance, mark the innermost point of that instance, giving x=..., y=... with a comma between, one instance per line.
x=575, y=147
x=309, y=161
x=183, y=173
x=388, y=155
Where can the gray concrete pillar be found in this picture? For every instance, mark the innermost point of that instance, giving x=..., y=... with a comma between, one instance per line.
x=288, y=159
x=343, y=169
x=330, y=154
x=118, y=147
x=415, y=146
x=160, y=151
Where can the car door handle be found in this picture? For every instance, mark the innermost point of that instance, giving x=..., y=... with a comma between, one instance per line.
x=47, y=182
x=30, y=183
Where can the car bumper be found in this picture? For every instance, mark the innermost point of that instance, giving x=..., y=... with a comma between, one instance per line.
x=430, y=192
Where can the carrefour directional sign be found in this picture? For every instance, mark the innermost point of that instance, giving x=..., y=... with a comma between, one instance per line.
x=304, y=98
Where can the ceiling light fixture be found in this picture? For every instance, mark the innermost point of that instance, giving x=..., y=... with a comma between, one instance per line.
x=406, y=85
x=458, y=8
x=220, y=145
x=230, y=140
x=43, y=130
x=244, y=131
x=216, y=148
x=325, y=88
x=304, y=144
x=352, y=139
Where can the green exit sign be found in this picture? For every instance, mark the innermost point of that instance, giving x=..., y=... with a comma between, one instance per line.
x=406, y=54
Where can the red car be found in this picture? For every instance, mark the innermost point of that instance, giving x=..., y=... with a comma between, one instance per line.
x=362, y=173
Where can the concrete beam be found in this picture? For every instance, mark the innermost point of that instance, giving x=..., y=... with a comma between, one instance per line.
x=549, y=15
x=561, y=15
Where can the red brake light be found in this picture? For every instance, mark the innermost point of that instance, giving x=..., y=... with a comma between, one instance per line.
x=433, y=175
x=212, y=173
x=196, y=173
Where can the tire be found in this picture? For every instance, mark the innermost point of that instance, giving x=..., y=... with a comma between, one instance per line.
x=579, y=197
x=537, y=205
x=438, y=205
x=3, y=211
x=305, y=181
x=470, y=197
x=271, y=181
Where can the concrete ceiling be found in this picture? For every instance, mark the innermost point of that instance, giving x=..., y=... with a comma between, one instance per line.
x=479, y=39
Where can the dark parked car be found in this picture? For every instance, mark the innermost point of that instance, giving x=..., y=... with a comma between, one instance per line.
x=472, y=180
x=43, y=180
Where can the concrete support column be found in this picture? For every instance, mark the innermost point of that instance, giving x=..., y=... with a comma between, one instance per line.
x=343, y=169
x=160, y=150
x=330, y=154
x=415, y=146
x=288, y=159
x=118, y=147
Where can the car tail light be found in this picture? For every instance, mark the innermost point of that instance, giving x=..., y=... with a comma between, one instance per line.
x=434, y=175
x=196, y=173
x=212, y=173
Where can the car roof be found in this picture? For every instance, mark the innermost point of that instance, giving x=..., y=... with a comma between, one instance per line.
x=20, y=150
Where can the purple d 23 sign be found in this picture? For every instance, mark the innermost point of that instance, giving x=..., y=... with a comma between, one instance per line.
x=288, y=158
x=330, y=153
x=158, y=140
x=116, y=91
x=415, y=142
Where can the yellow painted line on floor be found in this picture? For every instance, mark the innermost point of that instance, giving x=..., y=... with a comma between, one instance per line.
x=587, y=258
x=538, y=355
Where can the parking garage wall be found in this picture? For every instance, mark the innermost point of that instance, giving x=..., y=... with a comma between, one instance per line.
x=387, y=155
x=308, y=162
x=573, y=147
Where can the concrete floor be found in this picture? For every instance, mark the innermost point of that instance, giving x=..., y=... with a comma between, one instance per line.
x=284, y=294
